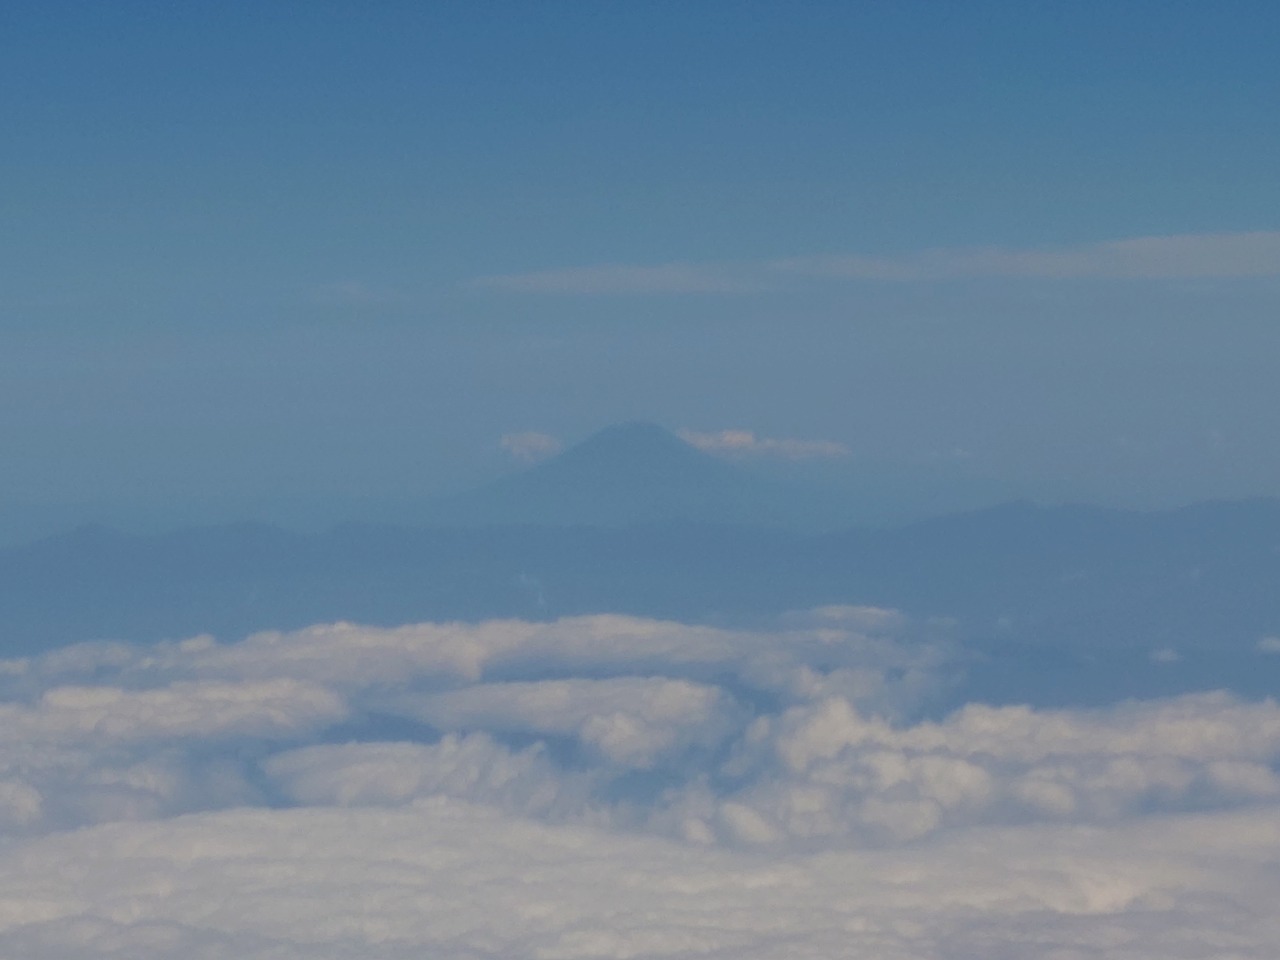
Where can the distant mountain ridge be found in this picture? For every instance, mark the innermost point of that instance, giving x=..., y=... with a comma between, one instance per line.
x=635, y=521
x=1076, y=576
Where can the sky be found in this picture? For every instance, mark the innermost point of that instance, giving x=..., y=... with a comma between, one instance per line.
x=261, y=255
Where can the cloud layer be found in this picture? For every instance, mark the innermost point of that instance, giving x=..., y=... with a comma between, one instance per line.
x=617, y=787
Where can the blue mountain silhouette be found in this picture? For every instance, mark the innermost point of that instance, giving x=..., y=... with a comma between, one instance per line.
x=633, y=473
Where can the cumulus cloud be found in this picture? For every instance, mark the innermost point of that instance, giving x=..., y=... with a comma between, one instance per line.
x=746, y=443
x=1172, y=257
x=530, y=446
x=107, y=714
x=617, y=787
x=627, y=720
x=882, y=660
x=473, y=767
x=81, y=754
x=827, y=770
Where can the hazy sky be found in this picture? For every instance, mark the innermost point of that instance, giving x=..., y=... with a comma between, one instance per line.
x=317, y=249
x=279, y=258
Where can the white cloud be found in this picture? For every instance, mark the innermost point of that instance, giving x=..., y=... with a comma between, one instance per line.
x=84, y=754
x=1269, y=645
x=893, y=661
x=452, y=880
x=1171, y=257
x=746, y=443
x=615, y=787
x=106, y=714
x=109, y=730
x=824, y=769
x=629, y=721
x=530, y=446
x=472, y=767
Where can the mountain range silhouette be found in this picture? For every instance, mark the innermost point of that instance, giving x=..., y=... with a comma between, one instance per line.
x=636, y=521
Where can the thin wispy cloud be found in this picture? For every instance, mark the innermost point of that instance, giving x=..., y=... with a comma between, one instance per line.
x=744, y=443
x=1177, y=257
x=1174, y=257
x=618, y=278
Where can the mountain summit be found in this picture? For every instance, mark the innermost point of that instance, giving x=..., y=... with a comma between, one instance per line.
x=626, y=474
x=631, y=453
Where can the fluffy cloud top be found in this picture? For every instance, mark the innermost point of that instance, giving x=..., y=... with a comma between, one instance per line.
x=627, y=720
x=616, y=787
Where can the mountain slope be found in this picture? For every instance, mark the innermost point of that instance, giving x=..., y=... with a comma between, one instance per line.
x=633, y=473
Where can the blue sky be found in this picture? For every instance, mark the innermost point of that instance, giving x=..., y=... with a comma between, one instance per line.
x=272, y=252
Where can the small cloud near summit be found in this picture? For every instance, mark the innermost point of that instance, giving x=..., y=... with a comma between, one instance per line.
x=530, y=446
x=746, y=443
